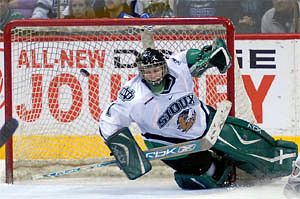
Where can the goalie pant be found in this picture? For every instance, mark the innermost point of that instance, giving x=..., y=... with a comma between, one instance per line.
x=241, y=144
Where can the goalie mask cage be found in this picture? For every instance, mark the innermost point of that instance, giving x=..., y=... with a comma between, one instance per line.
x=58, y=108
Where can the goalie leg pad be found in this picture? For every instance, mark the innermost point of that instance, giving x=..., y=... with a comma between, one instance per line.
x=255, y=151
x=130, y=157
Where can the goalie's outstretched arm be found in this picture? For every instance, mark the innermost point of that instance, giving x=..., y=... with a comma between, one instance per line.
x=114, y=129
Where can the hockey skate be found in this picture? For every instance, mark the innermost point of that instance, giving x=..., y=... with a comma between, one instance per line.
x=292, y=188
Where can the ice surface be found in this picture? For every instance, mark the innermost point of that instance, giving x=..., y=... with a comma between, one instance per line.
x=143, y=188
x=139, y=189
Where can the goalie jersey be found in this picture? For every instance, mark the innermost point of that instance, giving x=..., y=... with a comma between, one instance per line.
x=176, y=115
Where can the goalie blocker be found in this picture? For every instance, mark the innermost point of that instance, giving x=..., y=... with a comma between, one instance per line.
x=129, y=156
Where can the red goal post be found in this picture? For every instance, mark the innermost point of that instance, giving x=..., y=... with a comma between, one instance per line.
x=58, y=108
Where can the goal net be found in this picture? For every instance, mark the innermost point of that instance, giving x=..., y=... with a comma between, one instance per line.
x=58, y=108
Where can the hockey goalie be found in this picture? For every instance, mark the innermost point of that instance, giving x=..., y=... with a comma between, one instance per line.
x=162, y=102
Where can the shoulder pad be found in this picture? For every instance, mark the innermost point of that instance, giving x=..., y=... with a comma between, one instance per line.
x=175, y=61
x=178, y=58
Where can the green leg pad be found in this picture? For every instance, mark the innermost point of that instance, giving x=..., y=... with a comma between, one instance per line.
x=255, y=151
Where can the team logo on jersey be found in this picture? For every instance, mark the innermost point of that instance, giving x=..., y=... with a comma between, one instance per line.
x=186, y=119
x=126, y=94
x=175, y=108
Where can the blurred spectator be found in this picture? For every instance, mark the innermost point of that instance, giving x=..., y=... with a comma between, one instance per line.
x=195, y=8
x=7, y=14
x=98, y=4
x=248, y=20
x=80, y=9
x=282, y=18
x=114, y=9
x=155, y=8
x=24, y=7
x=247, y=13
x=49, y=9
x=92, y=3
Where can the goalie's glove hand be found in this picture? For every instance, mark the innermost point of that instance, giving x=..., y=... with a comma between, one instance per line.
x=220, y=56
x=215, y=55
x=206, y=48
x=202, y=63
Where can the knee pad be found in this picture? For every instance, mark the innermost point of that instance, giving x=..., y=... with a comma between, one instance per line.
x=192, y=182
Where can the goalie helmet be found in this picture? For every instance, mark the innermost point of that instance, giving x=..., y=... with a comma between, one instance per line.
x=153, y=68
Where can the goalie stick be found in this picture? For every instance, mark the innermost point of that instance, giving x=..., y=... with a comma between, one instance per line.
x=188, y=147
x=7, y=130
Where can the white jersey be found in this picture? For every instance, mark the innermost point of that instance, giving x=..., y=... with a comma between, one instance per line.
x=174, y=116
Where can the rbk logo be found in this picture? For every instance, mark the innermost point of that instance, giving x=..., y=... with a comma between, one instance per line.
x=170, y=152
